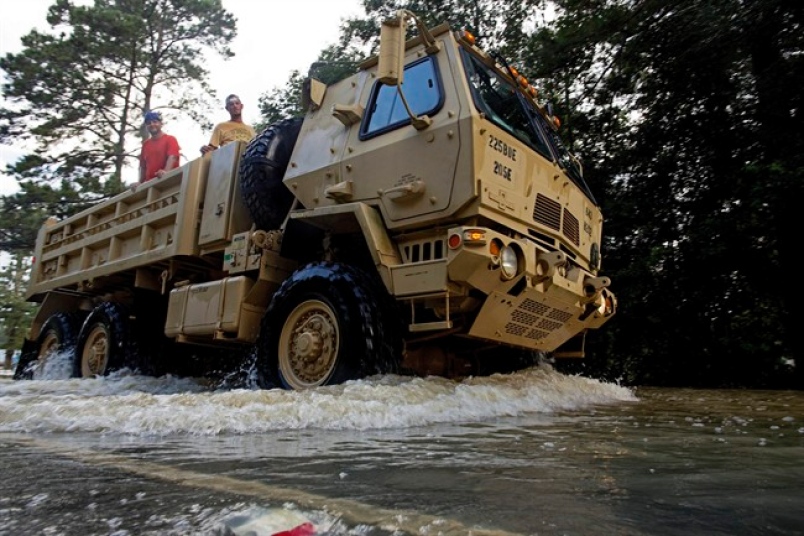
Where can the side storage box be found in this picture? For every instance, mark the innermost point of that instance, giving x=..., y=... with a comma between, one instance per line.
x=207, y=308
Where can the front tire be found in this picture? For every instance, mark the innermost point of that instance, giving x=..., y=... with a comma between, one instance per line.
x=103, y=343
x=326, y=325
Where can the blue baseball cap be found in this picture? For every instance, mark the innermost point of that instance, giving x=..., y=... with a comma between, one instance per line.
x=153, y=116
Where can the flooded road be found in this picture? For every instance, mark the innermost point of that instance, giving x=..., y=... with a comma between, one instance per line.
x=536, y=452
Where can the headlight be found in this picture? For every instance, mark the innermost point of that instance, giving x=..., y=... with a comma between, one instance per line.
x=509, y=263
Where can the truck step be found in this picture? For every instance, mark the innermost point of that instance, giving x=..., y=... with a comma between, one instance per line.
x=430, y=326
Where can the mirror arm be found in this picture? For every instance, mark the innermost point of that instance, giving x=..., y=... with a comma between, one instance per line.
x=432, y=45
x=419, y=123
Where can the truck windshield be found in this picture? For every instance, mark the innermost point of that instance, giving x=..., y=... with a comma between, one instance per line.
x=504, y=105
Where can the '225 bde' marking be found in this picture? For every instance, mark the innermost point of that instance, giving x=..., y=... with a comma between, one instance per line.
x=502, y=147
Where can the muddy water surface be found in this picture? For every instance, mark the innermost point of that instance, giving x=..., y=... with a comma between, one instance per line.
x=536, y=452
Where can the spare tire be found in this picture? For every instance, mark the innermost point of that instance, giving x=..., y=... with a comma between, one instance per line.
x=262, y=168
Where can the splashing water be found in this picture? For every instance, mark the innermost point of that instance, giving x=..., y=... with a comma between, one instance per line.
x=57, y=366
x=128, y=404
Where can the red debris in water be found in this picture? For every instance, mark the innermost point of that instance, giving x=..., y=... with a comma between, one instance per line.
x=305, y=529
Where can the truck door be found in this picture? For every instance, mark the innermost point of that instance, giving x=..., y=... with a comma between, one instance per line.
x=412, y=171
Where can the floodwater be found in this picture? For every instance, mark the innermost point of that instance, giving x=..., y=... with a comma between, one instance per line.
x=536, y=452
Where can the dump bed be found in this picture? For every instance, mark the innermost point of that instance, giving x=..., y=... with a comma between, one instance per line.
x=167, y=228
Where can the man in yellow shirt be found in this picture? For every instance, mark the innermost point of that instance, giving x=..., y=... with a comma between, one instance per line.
x=232, y=130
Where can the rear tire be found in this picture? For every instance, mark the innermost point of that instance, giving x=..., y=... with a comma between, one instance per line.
x=326, y=325
x=151, y=351
x=58, y=334
x=262, y=169
x=103, y=343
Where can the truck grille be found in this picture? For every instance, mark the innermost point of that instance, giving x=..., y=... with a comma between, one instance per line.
x=535, y=320
x=548, y=212
x=571, y=228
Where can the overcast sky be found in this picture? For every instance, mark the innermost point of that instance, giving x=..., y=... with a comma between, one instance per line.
x=274, y=37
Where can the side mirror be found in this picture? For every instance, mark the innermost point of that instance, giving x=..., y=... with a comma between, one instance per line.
x=391, y=61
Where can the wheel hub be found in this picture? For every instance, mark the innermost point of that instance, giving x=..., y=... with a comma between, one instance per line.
x=311, y=344
x=49, y=346
x=308, y=344
x=95, y=353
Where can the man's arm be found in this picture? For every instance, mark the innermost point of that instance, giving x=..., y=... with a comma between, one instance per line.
x=173, y=152
x=214, y=140
x=172, y=160
x=171, y=163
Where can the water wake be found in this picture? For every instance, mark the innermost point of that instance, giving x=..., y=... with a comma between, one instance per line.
x=128, y=404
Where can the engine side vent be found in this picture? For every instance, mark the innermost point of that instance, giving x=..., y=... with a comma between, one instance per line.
x=571, y=228
x=425, y=250
x=547, y=212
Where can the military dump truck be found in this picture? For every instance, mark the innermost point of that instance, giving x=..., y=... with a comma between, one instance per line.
x=422, y=217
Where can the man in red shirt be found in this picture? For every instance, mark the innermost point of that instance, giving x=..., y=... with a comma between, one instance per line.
x=160, y=152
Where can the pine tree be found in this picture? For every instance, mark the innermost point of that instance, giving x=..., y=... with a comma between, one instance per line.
x=79, y=91
x=15, y=312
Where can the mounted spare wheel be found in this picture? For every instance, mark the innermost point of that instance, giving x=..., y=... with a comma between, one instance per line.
x=326, y=324
x=58, y=335
x=103, y=345
x=262, y=169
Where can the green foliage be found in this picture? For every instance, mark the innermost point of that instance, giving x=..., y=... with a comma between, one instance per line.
x=22, y=213
x=281, y=103
x=78, y=93
x=496, y=24
x=689, y=117
x=15, y=312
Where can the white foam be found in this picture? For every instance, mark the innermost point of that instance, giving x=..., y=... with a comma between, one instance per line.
x=126, y=404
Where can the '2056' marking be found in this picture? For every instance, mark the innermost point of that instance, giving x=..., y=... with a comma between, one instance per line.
x=502, y=170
